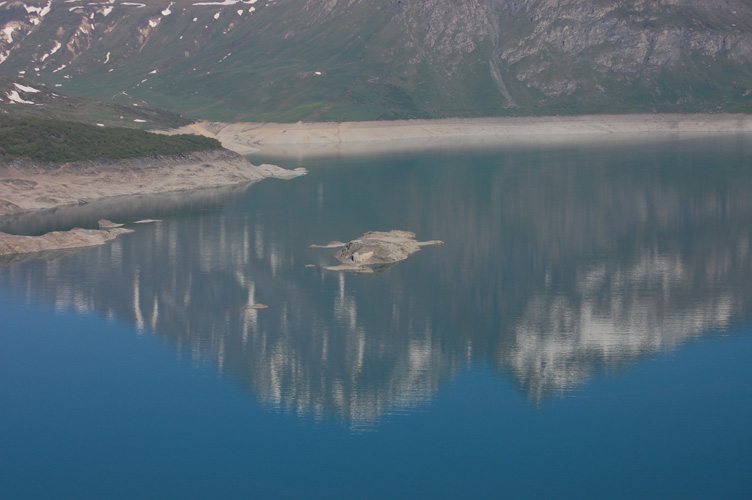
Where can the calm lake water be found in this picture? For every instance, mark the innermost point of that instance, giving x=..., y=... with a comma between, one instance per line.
x=584, y=332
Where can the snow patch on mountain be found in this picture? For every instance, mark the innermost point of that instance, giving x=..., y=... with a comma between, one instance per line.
x=14, y=97
x=28, y=90
x=54, y=49
x=40, y=11
x=8, y=32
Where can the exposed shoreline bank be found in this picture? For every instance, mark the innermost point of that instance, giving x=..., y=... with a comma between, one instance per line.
x=29, y=187
x=307, y=139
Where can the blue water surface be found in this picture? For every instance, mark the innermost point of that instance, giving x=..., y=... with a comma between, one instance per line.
x=584, y=332
x=91, y=410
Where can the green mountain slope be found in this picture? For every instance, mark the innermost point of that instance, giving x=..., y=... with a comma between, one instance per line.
x=289, y=60
x=20, y=98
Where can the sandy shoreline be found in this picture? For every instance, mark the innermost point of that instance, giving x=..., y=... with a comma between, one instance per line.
x=302, y=139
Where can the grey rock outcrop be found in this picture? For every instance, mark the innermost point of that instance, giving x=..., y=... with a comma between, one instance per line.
x=376, y=250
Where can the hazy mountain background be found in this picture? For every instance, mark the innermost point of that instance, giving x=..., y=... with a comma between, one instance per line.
x=289, y=60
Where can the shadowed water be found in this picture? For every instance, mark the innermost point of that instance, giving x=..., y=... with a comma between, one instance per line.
x=562, y=267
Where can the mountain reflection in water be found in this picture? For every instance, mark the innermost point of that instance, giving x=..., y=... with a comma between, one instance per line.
x=558, y=265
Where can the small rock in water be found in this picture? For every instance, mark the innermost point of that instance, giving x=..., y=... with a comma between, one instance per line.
x=106, y=224
x=331, y=244
x=376, y=250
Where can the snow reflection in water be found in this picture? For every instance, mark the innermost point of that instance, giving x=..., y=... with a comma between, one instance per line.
x=558, y=266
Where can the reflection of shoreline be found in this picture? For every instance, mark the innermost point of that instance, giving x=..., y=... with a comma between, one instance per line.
x=119, y=208
x=311, y=139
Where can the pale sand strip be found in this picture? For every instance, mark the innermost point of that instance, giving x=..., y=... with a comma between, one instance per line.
x=366, y=137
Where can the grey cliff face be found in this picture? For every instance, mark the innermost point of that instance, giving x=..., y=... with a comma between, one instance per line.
x=559, y=46
x=619, y=40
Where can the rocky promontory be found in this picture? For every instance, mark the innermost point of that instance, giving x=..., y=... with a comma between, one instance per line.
x=26, y=185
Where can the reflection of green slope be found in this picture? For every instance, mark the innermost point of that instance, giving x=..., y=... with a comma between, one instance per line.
x=557, y=265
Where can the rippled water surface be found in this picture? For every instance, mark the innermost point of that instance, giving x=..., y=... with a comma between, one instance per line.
x=584, y=332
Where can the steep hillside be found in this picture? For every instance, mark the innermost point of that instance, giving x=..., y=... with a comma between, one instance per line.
x=287, y=60
x=21, y=98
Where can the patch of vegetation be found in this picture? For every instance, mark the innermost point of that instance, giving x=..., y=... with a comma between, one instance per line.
x=61, y=141
x=55, y=105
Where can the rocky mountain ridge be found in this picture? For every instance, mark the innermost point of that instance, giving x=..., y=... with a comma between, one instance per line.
x=286, y=60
